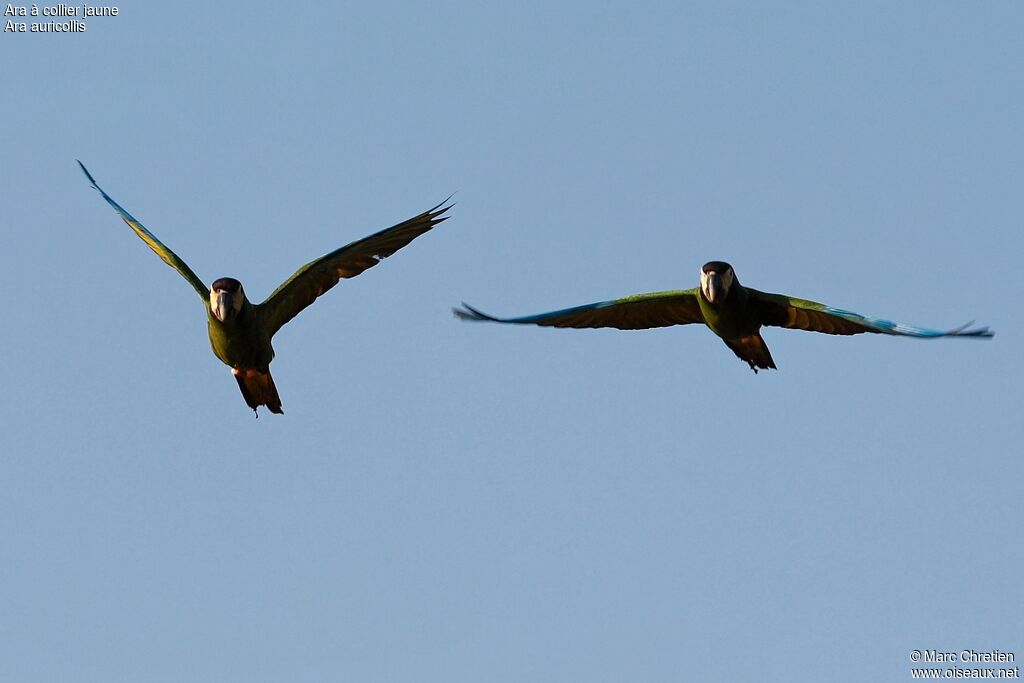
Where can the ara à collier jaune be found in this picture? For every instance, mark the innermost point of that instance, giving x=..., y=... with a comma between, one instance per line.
x=240, y=331
x=733, y=312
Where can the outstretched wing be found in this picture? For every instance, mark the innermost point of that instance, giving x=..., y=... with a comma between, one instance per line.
x=316, y=277
x=168, y=256
x=783, y=311
x=640, y=312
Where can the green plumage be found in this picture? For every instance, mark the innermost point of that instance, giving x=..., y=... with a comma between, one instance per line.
x=240, y=331
x=733, y=312
x=242, y=342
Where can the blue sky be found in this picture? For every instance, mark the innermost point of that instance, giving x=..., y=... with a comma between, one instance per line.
x=452, y=502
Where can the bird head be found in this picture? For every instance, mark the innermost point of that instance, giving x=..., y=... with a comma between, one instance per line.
x=226, y=298
x=716, y=277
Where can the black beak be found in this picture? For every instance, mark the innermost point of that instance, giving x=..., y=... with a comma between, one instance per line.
x=715, y=291
x=222, y=308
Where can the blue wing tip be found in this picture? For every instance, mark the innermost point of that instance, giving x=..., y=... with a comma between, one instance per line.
x=470, y=313
x=437, y=213
x=110, y=200
x=87, y=174
x=890, y=327
x=966, y=331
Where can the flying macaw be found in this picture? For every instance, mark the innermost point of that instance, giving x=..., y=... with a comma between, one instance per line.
x=733, y=312
x=240, y=331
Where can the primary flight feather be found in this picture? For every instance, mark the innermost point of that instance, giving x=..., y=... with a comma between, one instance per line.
x=733, y=312
x=240, y=331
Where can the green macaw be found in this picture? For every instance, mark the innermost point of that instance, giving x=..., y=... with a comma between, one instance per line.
x=733, y=312
x=240, y=331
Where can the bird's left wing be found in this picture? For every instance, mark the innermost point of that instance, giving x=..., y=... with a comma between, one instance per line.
x=316, y=277
x=639, y=312
x=168, y=256
x=784, y=311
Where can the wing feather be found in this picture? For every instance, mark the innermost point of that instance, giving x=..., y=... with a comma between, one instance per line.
x=316, y=277
x=640, y=312
x=783, y=311
x=161, y=250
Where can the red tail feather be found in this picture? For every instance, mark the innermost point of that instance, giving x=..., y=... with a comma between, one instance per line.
x=258, y=390
x=753, y=350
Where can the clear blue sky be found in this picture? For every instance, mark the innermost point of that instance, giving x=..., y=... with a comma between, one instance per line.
x=453, y=502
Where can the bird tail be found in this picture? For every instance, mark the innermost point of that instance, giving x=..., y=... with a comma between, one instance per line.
x=258, y=390
x=753, y=350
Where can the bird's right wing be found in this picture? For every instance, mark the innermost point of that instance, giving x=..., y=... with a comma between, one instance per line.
x=168, y=256
x=639, y=312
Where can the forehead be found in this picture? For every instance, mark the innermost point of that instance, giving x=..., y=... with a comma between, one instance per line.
x=227, y=284
x=716, y=266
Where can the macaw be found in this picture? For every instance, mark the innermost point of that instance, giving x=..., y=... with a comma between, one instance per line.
x=240, y=331
x=733, y=312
